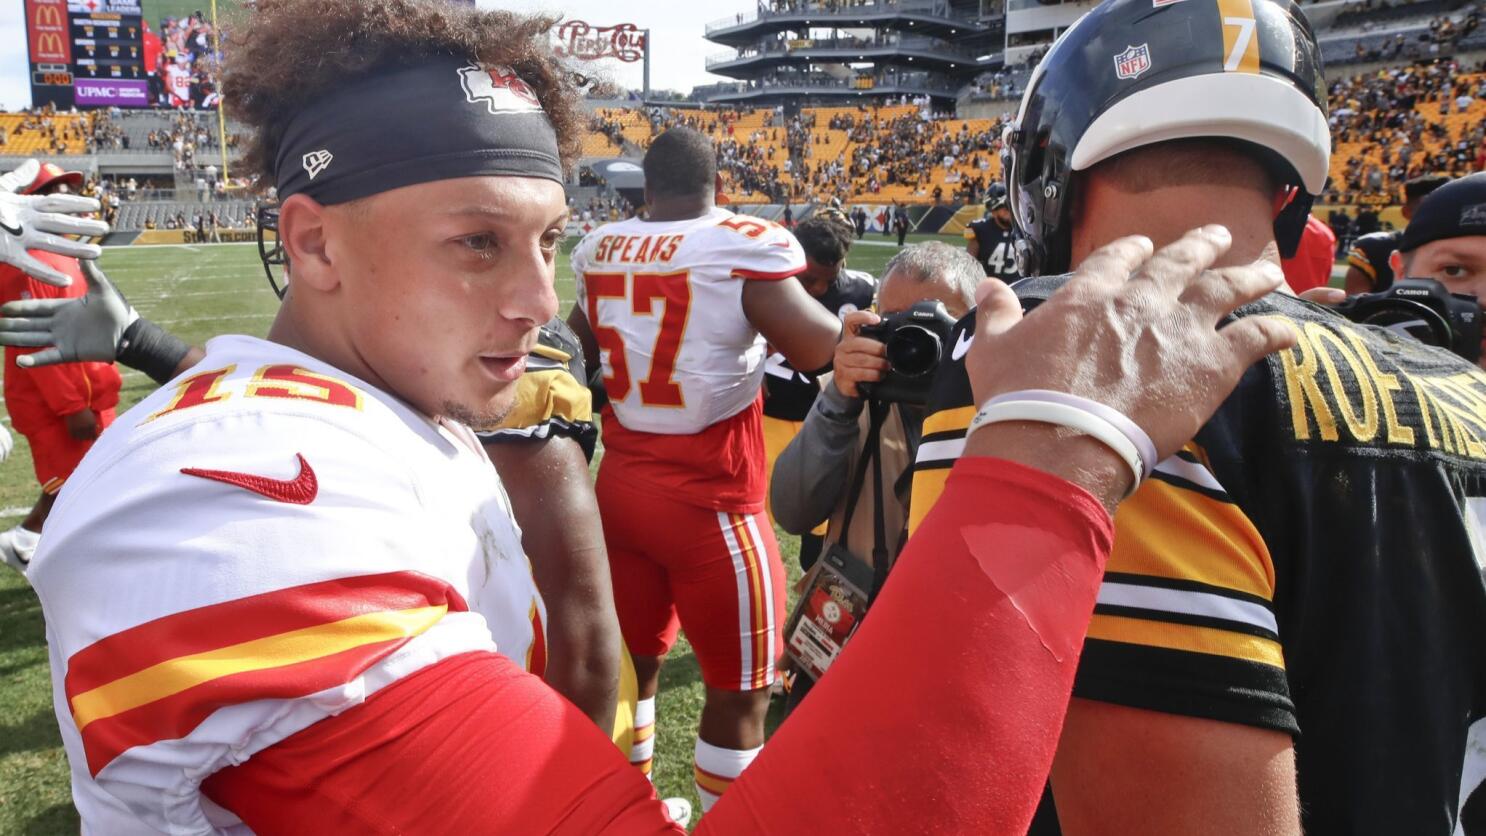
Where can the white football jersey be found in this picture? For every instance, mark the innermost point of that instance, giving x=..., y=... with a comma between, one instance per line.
x=665, y=302
x=259, y=545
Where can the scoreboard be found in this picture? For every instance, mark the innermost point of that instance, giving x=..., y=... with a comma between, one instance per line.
x=86, y=53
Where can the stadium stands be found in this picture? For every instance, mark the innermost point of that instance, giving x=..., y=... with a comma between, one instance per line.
x=1421, y=114
x=1391, y=125
x=1396, y=124
x=43, y=134
x=876, y=154
x=181, y=215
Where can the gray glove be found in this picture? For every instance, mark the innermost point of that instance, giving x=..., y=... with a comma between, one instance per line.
x=90, y=327
x=38, y=222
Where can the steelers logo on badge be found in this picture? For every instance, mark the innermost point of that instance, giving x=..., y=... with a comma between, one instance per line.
x=831, y=612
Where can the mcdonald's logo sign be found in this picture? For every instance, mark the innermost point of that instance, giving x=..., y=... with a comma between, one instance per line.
x=46, y=27
x=51, y=47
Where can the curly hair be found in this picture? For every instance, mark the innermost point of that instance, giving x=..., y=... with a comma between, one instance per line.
x=286, y=54
x=825, y=237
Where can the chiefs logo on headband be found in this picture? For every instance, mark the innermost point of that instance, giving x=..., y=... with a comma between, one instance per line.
x=499, y=88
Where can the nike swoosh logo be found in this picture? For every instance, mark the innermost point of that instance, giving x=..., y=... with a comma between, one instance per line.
x=300, y=490
x=17, y=231
x=962, y=345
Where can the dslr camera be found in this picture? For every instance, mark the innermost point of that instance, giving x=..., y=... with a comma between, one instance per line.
x=916, y=339
x=1424, y=310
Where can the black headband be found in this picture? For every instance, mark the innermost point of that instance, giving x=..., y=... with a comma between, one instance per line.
x=439, y=120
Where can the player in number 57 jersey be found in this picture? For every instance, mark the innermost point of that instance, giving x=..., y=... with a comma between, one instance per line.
x=677, y=308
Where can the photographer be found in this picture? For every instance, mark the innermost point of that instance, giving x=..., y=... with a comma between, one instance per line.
x=823, y=474
x=826, y=239
x=1446, y=239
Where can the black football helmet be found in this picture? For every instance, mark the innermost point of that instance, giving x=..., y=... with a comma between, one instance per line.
x=1132, y=73
x=271, y=249
x=995, y=197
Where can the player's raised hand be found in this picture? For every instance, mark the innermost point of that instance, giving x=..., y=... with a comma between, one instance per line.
x=89, y=327
x=40, y=222
x=1135, y=331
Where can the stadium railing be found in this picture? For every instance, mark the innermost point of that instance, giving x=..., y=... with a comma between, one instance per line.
x=831, y=8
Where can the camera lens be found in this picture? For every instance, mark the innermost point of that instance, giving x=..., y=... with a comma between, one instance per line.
x=1410, y=320
x=913, y=350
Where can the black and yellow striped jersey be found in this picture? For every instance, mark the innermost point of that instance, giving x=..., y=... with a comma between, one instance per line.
x=1312, y=563
x=552, y=398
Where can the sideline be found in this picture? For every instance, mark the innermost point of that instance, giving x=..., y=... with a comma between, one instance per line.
x=192, y=247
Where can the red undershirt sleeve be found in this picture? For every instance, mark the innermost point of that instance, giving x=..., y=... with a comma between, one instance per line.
x=943, y=715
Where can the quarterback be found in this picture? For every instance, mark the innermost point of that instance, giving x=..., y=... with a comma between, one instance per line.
x=1288, y=636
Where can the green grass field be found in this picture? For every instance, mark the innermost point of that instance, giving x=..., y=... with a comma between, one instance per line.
x=199, y=292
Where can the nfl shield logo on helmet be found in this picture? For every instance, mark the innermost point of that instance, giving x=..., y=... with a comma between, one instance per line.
x=1133, y=61
x=499, y=88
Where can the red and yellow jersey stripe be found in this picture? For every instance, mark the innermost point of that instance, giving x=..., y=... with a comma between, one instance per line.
x=161, y=679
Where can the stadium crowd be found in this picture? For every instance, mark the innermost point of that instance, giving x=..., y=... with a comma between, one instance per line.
x=1390, y=126
x=1394, y=125
x=47, y=133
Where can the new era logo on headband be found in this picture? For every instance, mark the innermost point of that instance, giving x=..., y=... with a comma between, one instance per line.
x=316, y=162
x=499, y=88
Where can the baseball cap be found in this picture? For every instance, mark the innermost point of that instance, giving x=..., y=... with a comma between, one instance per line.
x=1454, y=210
x=52, y=174
x=1423, y=186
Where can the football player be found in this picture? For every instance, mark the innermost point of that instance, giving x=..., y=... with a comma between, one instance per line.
x=1261, y=657
x=1368, y=268
x=992, y=239
x=546, y=439
x=677, y=308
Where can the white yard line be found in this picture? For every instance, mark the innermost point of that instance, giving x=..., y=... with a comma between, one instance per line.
x=214, y=318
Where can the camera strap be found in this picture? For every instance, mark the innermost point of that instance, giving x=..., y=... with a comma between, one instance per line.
x=877, y=416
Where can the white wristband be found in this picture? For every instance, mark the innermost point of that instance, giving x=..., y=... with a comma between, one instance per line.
x=1121, y=422
x=1069, y=412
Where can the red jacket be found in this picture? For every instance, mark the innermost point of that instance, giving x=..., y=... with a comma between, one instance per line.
x=38, y=397
x=1311, y=266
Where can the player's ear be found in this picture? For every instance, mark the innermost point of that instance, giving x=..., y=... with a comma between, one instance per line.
x=302, y=228
x=1395, y=263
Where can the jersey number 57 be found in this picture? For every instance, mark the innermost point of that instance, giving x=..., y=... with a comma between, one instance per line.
x=643, y=290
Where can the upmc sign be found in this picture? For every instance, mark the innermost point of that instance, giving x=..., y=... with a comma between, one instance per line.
x=46, y=26
x=109, y=92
